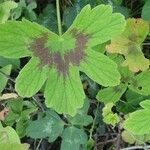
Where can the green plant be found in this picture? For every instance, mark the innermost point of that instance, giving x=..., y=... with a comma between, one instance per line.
x=82, y=82
x=57, y=60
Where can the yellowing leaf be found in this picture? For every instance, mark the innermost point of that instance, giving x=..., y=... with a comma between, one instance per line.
x=129, y=45
x=109, y=116
x=8, y=96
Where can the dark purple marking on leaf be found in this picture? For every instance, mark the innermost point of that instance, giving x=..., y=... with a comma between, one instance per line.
x=55, y=59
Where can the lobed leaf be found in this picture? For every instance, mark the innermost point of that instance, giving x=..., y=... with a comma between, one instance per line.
x=129, y=44
x=57, y=60
x=50, y=126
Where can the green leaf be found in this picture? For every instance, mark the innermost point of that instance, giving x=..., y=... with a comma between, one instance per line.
x=59, y=91
x=31, y=78
x=14, y=146
x=141, y=82
x=25, y=9
x=50, y=126
x=129, y=45
x=108, y=116
x=146, y=11
x=132, y=102
x=57, y=60
x=48, y=18
x=94, y=22
x=111, y=94
x=5, y=8
x=138, y=122
x=16, y=105
x=8, y=134
x=71, y=12
x=3, y=79
x=7, y=61
x=10, y=140
x=18, y=47
x=102, y=73
x=81, y=118
x=73, y=138
x=121, y=9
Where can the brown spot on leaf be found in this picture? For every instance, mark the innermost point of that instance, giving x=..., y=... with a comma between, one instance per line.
x=132, y=37
x=55, y=59
x=3, y=114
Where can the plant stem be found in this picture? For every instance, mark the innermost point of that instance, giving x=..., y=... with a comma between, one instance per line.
x=37, y=148
x=145, y=43
x=135, y=147
x=58, y=17
x=94, y=121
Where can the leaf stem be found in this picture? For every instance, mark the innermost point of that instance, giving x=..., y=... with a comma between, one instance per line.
x=58, y=17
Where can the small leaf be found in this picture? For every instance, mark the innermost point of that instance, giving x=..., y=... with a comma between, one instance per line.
x=5, y=8
x=127, y=137
x=73, y=138
x=50, y=126
x=129, y=45
x=111, y=94
x=25, y=9
x=139, y=121
x=108, y=116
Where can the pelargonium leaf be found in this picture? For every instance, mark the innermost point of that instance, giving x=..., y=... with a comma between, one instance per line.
x=31, y=78
x=129, y=44
x=100, y=23
x=17, y=36
x=57, y=60
x=64, y=93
